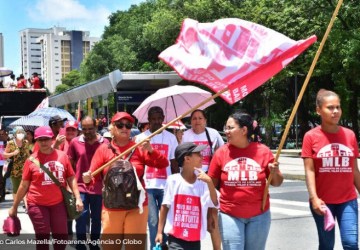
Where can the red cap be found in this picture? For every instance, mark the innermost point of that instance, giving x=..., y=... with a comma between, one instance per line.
x=43, y=131
x=122, y=115
x=72, y=124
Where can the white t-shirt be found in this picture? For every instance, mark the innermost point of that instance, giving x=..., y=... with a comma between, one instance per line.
x=166, y=143
x=188, y=206
x=201, y=139
x=10, y=84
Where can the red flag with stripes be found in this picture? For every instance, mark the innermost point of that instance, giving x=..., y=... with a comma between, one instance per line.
x=231, y=53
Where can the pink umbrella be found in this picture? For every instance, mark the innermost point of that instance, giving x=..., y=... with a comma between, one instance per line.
x=175, y=101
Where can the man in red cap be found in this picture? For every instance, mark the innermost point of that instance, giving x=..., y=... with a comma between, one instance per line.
x=80, y=152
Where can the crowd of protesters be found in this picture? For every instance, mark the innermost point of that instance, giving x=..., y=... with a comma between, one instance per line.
x=33, y=82
x=177, y=176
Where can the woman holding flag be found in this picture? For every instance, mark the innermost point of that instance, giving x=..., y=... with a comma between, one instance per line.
x=118, y=223
x=240, y=169
x=329, y=152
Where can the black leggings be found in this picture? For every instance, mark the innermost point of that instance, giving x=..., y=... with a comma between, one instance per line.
x=178, y=244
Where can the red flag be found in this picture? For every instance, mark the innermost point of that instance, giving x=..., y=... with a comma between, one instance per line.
x=231, y=53
x=44, y=104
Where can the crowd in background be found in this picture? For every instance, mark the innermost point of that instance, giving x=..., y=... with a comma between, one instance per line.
x=180, y=172
x=34, y=82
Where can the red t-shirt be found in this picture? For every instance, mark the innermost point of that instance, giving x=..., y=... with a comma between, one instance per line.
x=242, y=174
x=21, y=84
x=42, y=190
x=139, y=159
x=36, y=83
x=334, y=155
x=81, y=153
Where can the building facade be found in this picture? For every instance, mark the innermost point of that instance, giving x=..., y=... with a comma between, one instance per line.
x=1, y=50
x=53, y=52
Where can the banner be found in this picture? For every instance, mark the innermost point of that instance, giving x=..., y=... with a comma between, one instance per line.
x=44, y=104
x=231, y=53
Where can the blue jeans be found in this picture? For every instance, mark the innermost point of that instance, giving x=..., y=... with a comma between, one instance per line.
x=155, y=198
x=244, y=234
x=92, y=208
x=346, y=215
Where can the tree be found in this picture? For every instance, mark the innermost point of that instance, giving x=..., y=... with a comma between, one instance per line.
x=134, y=39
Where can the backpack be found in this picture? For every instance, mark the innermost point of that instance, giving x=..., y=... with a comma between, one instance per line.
x=42, y=83
x=120, y=187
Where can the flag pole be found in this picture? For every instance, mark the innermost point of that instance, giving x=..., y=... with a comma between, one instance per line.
x=79, y=112
x=97, y=171
x=287, y=128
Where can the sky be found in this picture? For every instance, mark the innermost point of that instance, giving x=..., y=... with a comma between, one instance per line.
x=86, y=15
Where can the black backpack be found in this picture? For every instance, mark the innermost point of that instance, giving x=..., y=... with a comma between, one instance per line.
x=42, y=83
x=120, y=187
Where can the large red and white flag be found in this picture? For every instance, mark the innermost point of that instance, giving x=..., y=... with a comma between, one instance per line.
x=231, y=53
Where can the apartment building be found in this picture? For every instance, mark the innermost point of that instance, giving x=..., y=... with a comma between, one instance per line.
x=53, y=52
x=1, y=50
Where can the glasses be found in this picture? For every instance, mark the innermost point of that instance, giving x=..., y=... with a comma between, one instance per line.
x=120, y=125
x=228, y=128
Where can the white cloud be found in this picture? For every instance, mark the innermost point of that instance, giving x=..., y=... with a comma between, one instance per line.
x=72, y=15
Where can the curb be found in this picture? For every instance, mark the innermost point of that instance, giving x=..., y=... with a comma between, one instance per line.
x=288, y=153
x=299, y=177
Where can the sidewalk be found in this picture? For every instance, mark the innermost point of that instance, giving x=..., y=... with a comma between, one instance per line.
x=288, y=152
x=292, y=165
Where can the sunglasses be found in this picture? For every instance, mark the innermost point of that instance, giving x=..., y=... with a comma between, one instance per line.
x=41, y=139
x=120, y=125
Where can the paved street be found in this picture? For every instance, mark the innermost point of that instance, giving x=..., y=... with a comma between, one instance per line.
x=292, y=224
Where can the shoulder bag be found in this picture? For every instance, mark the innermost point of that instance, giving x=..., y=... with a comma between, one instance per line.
x=69, y=198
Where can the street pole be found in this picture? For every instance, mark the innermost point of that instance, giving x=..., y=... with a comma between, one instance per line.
x=296, y=114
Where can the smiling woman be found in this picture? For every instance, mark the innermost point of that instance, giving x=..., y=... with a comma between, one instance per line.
x=240, y=168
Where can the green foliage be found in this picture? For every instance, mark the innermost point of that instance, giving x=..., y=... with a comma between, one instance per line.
x=61, y=88
x=72, y=79
x=134, y=39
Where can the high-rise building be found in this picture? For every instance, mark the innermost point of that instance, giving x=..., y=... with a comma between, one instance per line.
x=53, y=52
x=1, y=50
